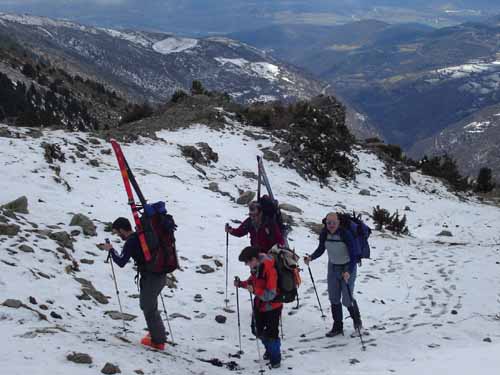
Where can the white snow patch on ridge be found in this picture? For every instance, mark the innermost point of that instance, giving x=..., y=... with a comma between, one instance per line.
x=465, y=70
x=262, y=69
x=477, y=126
x=174, y=45
x=136, y=38
x=26, y=19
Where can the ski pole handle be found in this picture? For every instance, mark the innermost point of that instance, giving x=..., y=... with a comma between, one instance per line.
x=109, y=253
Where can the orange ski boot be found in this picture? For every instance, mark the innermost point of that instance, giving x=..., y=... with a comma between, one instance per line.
x=146, y=341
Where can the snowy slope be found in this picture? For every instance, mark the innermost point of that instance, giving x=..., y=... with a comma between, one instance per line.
x=408, y=293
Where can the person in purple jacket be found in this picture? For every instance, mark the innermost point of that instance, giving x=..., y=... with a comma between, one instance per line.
x=150, y=284
x=342, y=265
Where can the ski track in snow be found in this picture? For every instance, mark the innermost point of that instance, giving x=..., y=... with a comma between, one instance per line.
x=406, y=293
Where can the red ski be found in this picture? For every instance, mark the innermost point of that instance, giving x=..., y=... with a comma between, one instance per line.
x=122, y=163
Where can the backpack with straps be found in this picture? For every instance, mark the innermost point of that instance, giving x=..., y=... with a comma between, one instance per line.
x=360, y=231
x=159, y=227
x=272, y=213
x=286, y=264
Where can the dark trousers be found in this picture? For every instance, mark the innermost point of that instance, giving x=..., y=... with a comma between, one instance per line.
x=267, y=329
x=151, y=285
x=268, y=324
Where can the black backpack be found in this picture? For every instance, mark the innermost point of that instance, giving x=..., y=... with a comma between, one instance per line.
x=272, y=213
x=159, y=228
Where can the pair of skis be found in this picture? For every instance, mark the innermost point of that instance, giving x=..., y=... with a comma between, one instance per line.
x=263, y=179
x=129, y=181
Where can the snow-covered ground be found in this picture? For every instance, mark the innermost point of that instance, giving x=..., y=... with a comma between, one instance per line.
x=428, y=301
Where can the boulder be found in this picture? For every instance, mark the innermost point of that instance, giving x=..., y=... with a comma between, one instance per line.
x=85, y=223
x=445, y=233
x=81, y=358
x=205, y=268
x=13, y=303
x=88, y=288
x=19, y=205
x=110, y=369
x=9, y=229
x=365, y=192
x=116, y=315
x=221, y=319
x=209, y=153
x=290, y=208
x=270, y=156
x=213, y=186
x=55, y=315
x=250, y=175
x=246, y=197
x=63, y=238
x=194, y=154
x=26, y=249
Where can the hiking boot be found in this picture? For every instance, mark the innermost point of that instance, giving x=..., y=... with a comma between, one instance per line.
x=275, y=365
x=356, y=317
x=146, y=341
x=338, y=325
x=336, y=330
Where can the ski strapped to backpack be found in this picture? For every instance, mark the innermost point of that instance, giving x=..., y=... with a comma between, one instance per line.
x=269, y=205
x=360, y=231
x=155, y=228
x=289, y=280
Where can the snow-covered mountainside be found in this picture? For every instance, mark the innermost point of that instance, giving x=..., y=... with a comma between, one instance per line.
x=472, y=142
x=429, y=302
x=149, y=65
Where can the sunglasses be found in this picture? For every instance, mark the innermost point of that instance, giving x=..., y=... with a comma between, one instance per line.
x=331, y=222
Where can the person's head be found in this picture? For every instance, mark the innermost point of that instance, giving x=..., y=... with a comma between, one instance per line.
x=122, y=227
x=332, y=222
x=255, y=211
x=250, y=256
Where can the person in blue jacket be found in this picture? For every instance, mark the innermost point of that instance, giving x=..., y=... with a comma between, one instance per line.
x=343, y=256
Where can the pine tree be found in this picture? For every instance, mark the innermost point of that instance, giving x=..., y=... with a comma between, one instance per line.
x=484, y=181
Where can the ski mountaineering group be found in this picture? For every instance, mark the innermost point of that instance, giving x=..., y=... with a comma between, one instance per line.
x=274, y=272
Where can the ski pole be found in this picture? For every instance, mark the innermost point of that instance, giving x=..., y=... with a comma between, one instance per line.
x=254, y=319
x=227, y=264
x=238, y=311
x=355, y=305
x=259, y=180
x=168, y=320
x=316, y=291
x=110, y=261
x=281, y=327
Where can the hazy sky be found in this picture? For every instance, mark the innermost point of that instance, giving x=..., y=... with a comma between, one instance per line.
x=216, y=16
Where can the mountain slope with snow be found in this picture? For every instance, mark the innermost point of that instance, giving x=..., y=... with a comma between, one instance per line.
x=428, y=302
x=472, y=142
x=152, y=66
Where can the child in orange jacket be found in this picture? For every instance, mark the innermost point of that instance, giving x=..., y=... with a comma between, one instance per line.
x=263, y=283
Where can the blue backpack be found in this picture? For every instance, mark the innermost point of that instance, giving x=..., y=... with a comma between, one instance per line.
x=360, y=231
